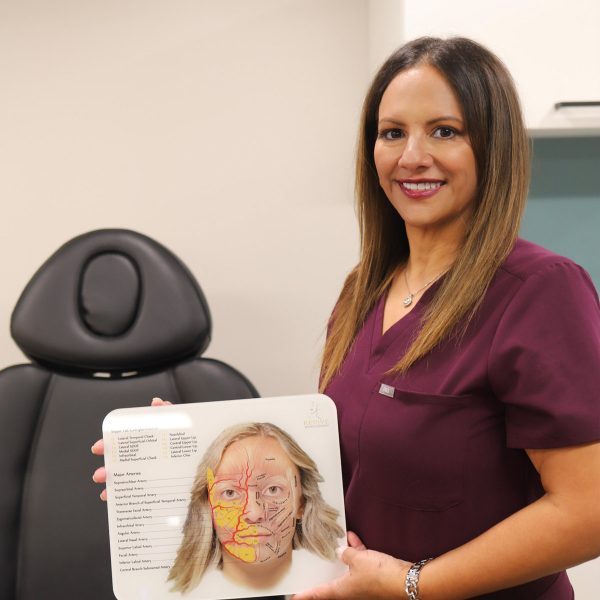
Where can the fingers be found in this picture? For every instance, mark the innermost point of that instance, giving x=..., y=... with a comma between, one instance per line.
x=355, y=542
x=99, y=475
x=98, y=448
x=348, y=555
x=159, y=402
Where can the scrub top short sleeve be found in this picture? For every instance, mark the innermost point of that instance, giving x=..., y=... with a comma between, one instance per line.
x=541, y=362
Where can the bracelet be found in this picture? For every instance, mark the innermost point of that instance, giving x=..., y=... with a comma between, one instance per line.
x=411, y=586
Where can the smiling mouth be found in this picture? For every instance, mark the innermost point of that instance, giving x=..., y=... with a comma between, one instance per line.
x=421, y=186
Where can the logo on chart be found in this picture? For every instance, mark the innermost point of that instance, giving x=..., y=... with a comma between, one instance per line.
x=315, y=419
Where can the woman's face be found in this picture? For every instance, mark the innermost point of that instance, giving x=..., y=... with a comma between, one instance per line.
x=423, y=156
x=256, y=498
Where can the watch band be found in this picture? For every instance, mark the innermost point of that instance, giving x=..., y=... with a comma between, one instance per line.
x=411, y=586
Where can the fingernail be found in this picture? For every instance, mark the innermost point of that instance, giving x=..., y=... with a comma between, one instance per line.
x=93, y=448
x=103, y=495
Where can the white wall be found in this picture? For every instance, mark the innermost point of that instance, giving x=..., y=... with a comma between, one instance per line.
x=225, y=130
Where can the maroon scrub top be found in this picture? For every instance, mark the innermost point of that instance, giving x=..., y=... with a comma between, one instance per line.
x=435, y=457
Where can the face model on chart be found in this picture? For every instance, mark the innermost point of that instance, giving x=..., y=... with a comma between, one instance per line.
x=423, y=156
x=256, y=499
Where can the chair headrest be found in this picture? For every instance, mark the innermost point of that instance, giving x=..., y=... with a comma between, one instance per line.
x=111, y=300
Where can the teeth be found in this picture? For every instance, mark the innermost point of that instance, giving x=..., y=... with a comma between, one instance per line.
x=421, y=185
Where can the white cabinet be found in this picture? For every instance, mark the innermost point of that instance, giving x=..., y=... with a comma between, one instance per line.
x=551, y=47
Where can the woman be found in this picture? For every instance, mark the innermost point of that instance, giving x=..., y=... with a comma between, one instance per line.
x=462, y=360
x=255, y=498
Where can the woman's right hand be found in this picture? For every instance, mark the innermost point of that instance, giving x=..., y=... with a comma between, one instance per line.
x=99, y=475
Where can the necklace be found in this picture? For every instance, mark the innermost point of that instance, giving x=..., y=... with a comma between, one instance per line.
x=409, y=299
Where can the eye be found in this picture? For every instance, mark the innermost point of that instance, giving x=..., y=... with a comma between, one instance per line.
x=273, y=490
x=230, y=494
x=444, y=132
x=391, y=134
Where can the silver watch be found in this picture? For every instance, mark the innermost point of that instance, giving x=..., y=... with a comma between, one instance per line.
x=411, y=586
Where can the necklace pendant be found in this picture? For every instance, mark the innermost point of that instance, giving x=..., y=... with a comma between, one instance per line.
x=408, y=300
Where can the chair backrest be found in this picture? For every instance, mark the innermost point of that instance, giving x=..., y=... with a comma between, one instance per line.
x=110, y=320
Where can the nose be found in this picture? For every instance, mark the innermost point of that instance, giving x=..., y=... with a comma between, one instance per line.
x=255, y=510
x=415, y=153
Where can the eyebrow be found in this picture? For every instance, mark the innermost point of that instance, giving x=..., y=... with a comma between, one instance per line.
x=228, y=479
x=277, y=477
x=430, y=122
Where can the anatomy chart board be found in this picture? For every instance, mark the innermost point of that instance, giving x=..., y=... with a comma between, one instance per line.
x=223, y=500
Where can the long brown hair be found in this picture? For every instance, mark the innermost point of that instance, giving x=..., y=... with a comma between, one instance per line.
x=494, y=125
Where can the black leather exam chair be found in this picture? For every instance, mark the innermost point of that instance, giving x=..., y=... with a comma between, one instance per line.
x=110, y=320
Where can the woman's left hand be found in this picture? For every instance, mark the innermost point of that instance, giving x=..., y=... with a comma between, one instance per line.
x=371, y=575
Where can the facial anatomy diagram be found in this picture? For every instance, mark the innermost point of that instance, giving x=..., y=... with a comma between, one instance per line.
x=255, y=500
x=225, y=500
x=255, y=504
